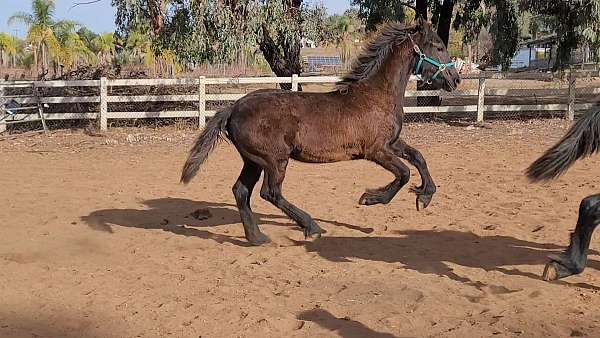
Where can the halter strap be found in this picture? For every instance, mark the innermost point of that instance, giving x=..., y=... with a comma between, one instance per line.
x=440, y=67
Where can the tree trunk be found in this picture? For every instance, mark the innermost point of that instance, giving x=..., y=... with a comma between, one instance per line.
x=156, y=9
x=35, y=61
x=421, y=9
x=282, y=65
x=44, y=59
x=469, y=57
x=444, y=21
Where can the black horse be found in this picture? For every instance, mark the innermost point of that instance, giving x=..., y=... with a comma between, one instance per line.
x=362, y=119
x=582, y=140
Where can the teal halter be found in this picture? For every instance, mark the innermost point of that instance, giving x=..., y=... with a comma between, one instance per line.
x=424, y=58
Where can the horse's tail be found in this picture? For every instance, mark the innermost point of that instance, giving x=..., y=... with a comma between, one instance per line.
x=582, y=140
x=206, y=142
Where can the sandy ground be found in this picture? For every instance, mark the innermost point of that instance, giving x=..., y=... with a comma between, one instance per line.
x=97, y=241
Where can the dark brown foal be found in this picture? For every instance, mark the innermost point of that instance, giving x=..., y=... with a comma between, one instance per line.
x=362, y=119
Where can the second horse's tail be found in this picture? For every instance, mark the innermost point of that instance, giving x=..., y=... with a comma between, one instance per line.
x=582, y=139
x=206, y=142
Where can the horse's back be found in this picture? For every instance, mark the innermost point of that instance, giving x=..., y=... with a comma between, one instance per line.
x=309, y=127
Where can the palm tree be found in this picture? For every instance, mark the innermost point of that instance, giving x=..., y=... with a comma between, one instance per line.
x=41, y=26
x=140, y=47
x=346, y=29
x=9, y=47
x=105, y=45
x=70, y=45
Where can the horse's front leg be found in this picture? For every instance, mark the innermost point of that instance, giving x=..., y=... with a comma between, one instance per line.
x=427, y=188
x=390, y=161
x=573, y=261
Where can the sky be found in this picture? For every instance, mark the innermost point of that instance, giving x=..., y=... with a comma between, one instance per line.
x=98, y=17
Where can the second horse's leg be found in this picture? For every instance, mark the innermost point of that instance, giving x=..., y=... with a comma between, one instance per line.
x=573, y=261
x=427, y=188
x=390, y=161
x=271, y=191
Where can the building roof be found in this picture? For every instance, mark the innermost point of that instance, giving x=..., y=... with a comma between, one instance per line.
x=549, y=39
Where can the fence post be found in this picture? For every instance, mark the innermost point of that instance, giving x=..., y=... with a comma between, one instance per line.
x=2, y=108
x=102, y=115
x=481, y=99
x=294, y=82
x=570, y=115
x=201, y=102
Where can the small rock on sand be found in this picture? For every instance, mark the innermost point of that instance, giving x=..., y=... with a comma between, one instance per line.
x=201, y=214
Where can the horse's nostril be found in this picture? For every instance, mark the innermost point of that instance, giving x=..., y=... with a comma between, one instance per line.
x=457, y=81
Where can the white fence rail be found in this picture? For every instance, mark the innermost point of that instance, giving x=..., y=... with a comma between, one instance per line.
x=200, y=97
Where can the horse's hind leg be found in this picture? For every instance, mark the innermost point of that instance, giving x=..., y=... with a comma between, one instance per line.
x=242, y=190
x=573, y=261
x=271, y=191
x=427, y=188
x=390, y=161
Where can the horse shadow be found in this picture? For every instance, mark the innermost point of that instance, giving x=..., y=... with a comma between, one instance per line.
x=426, y=251
x=429, y=251
x=175, y=215
x=345, y=327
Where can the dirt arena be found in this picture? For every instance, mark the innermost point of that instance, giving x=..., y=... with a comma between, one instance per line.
x=98, y=240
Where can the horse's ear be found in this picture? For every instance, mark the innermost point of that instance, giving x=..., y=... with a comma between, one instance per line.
x=422, y=25
x=420, y=22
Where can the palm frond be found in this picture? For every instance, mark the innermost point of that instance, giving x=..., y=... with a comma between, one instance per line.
x=21, y=17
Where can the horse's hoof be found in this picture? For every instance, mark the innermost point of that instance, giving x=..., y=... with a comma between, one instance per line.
x=312, y=236
x=314, y=232
x=259, y=239
x=372, y=198
x=423, y=201
x=560, y=266
x=550, y=272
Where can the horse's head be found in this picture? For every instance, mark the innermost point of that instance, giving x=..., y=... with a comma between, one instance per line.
x=432, y=61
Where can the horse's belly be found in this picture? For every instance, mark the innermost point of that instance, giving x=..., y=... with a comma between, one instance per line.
x=326, y=155
x=327, y=141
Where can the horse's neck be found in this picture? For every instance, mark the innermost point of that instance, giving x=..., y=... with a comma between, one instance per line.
x=393, y=76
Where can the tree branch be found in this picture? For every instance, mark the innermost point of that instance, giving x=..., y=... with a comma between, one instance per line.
x=75, y=4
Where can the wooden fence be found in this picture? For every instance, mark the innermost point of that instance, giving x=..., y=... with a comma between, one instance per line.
x=475, y=98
